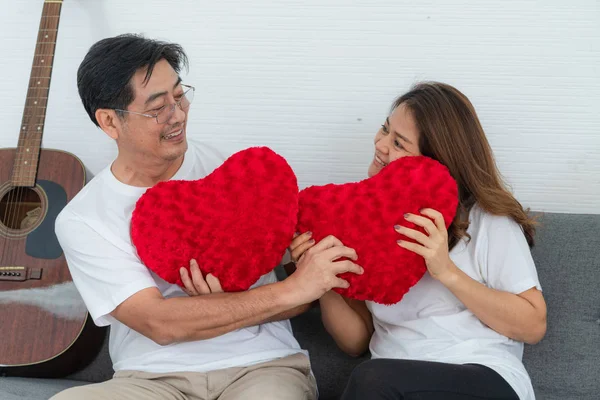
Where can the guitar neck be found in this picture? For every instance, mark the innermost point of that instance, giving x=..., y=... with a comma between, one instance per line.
x=34, y=114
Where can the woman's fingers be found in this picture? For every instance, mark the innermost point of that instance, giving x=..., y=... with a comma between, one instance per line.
x=298, y=251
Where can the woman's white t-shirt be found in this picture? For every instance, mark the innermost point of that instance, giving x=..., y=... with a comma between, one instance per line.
x=431, y=324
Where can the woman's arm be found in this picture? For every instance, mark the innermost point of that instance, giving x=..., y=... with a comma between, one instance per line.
x=348, y=321
x=520, y=317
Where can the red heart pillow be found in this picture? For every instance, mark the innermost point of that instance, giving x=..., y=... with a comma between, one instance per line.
x=236, y=222
x=363, y=214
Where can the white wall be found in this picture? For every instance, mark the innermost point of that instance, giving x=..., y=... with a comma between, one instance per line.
x=314, y=79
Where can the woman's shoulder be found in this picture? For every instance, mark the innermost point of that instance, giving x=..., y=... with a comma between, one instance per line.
x=486, y=222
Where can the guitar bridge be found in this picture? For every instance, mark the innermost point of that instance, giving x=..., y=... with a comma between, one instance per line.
x=19, y=274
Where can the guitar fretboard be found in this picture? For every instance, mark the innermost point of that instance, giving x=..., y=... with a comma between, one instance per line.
x=34, y=113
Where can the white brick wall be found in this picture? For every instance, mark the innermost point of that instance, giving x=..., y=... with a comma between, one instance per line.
x=314, y=79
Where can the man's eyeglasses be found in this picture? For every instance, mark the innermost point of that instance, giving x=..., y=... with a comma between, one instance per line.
x=165, y=112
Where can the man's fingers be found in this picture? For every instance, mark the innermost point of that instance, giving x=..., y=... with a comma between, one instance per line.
x=337, y=252
x=341, y=283
x=187, y=282
x=198, y=279
x=326, y=243
x=214, y=283
x=347, y=266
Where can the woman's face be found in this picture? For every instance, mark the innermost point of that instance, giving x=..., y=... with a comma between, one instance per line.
x=397, y=138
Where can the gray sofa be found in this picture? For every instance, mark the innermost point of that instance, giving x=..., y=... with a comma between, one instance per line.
x=564, y=366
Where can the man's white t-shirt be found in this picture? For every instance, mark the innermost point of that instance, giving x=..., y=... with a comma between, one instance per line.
x=94, y=232
x=431, y=324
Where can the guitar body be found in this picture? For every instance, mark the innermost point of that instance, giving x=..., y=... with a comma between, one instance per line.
x=46, y=330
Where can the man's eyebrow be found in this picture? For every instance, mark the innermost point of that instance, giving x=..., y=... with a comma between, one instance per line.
x=154, y=96
x=177, y=83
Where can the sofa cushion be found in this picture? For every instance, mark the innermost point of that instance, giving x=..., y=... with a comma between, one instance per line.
x=33, y=388
x=566, y=363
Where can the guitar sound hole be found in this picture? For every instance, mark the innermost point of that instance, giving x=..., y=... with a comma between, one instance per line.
x=20, y=209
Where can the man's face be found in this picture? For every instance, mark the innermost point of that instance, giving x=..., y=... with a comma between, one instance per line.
x=143, y=137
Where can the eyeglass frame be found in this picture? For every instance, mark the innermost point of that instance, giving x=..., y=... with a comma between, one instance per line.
x=172, y=106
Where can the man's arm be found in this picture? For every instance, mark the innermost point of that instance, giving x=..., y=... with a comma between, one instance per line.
x=182, y=319
x=202, y=317
x=196, y=284
x=301, y=309
x=290, y=268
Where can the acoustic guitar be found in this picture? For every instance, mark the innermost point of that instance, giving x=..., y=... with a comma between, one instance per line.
x=44, y=325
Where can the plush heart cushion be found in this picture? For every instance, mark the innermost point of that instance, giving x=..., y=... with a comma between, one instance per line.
x=236, y=222
x=363, y=214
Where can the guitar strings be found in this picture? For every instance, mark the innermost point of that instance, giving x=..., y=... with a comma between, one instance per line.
x=14, y=206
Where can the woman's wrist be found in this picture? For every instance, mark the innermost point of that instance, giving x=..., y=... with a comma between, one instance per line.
x=450, y=277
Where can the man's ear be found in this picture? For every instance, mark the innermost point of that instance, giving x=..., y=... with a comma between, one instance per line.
x=109, y=122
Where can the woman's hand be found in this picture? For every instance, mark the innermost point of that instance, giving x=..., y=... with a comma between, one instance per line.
x=197, y=285
x=433, y=246
x=299, y=245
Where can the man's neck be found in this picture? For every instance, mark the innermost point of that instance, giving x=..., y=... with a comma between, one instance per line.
x=144, y=173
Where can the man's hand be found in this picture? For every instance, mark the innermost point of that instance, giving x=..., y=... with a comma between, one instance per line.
x=317, y=270
x=197, y=285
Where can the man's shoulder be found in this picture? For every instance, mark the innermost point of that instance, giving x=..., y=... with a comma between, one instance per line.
x=79, y=207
